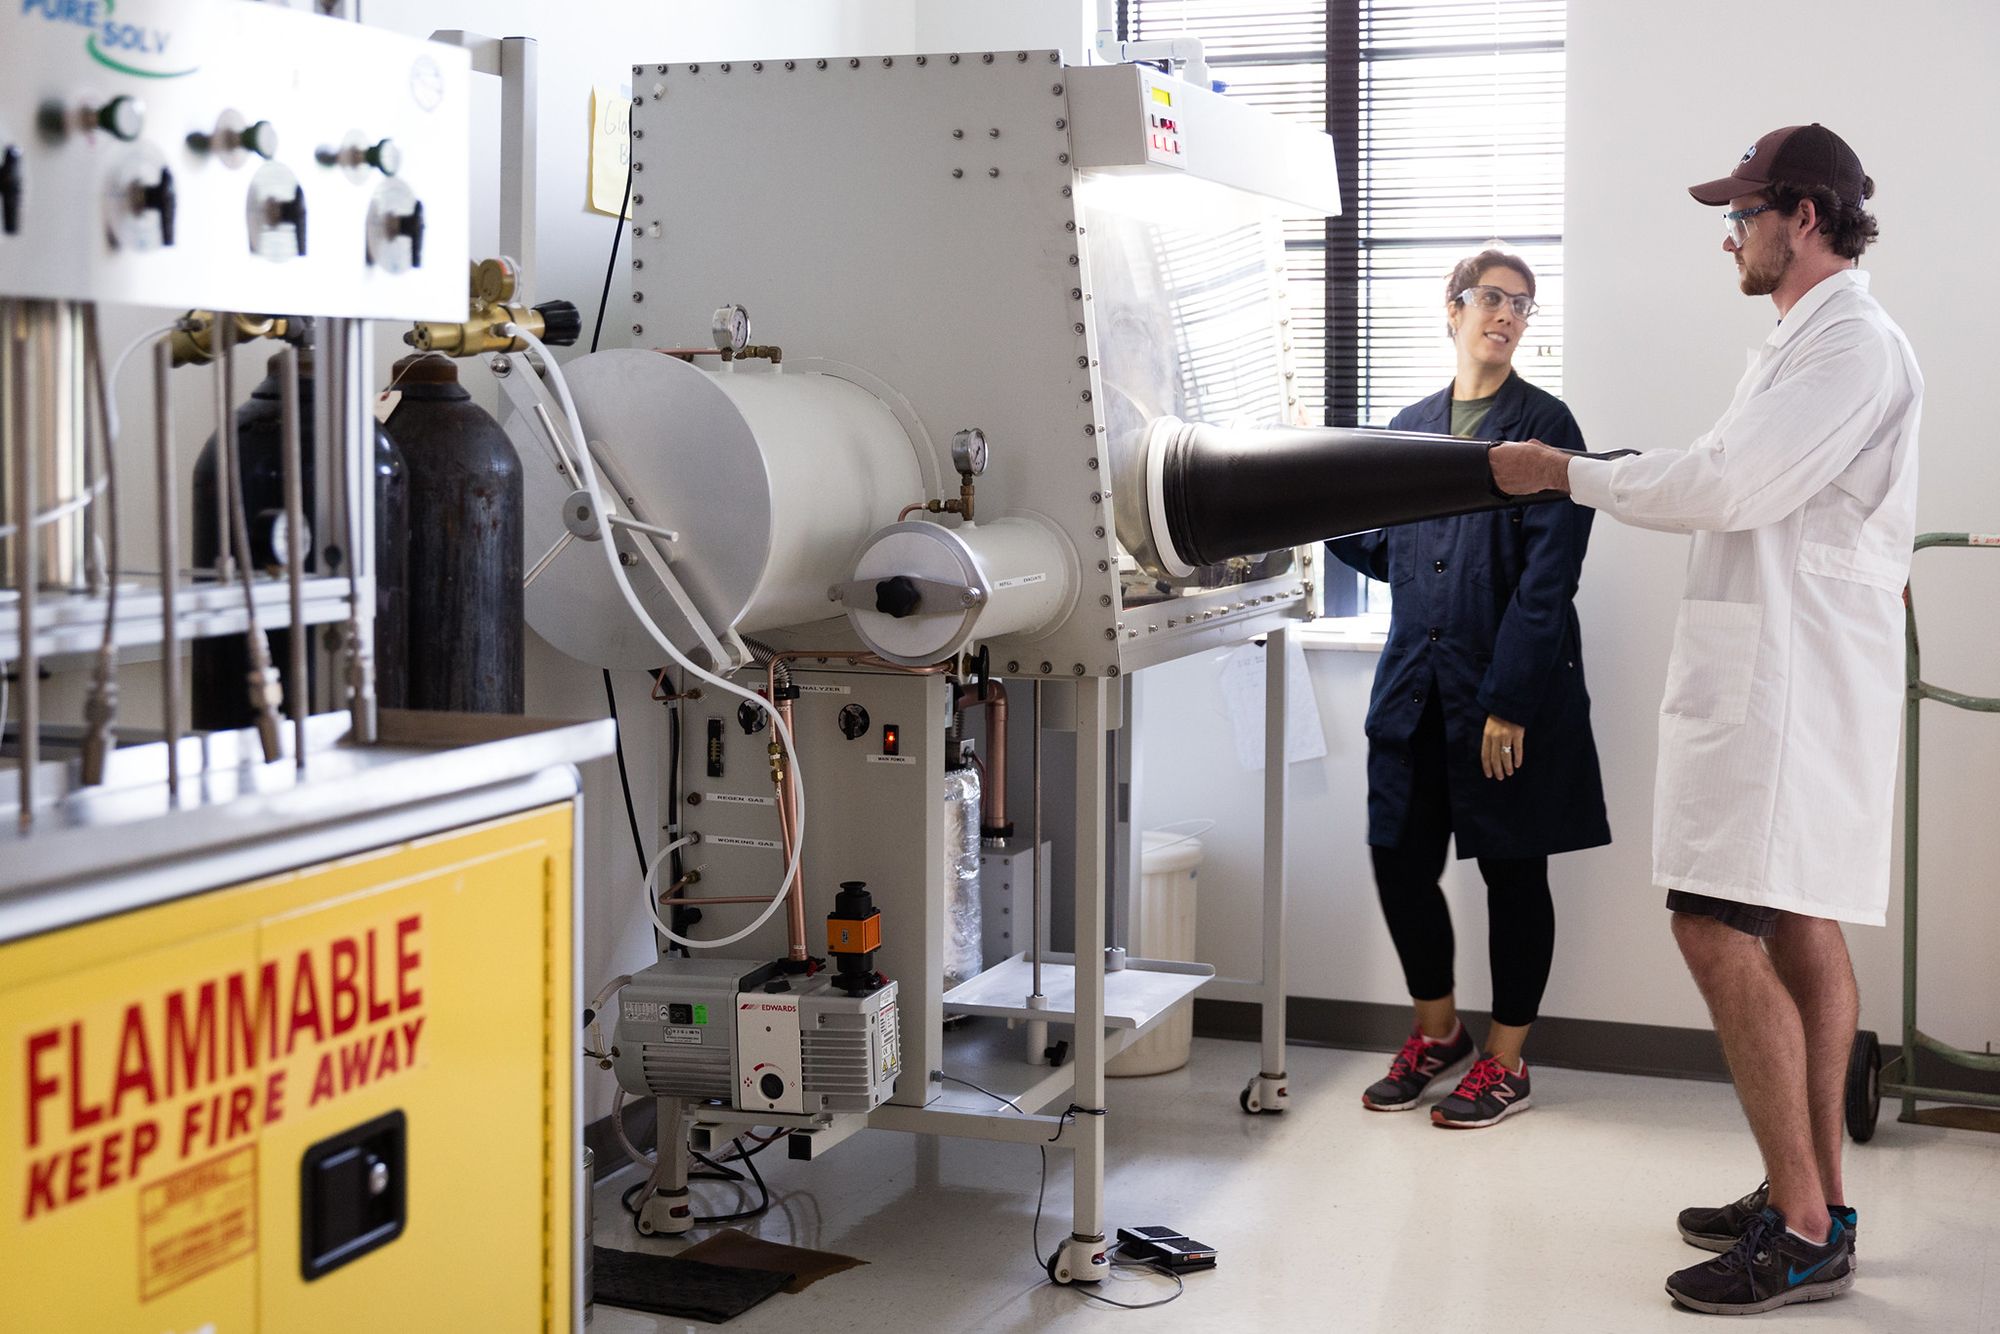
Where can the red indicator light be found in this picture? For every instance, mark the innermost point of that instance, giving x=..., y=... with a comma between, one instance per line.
x=890, y=736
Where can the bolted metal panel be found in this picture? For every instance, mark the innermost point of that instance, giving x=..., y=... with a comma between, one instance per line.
x=831, y=211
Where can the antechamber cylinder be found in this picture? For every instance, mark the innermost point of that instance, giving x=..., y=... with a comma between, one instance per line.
x=771, y=479
x=1215, y=492
x=1011, y=575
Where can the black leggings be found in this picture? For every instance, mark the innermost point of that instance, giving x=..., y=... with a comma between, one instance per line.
x=1521, y=917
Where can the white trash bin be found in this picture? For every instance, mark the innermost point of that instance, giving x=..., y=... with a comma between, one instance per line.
x=1169, y=863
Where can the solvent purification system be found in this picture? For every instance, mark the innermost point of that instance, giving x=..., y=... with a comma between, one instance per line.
x=247, y=977
x=1017, y=418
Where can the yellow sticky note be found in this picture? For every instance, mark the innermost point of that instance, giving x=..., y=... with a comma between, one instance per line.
x=610, y=149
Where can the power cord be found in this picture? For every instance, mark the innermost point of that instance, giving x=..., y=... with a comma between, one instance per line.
x=611, y=265
x=625, y=783
x=720, y=1172
x=1070, y=1113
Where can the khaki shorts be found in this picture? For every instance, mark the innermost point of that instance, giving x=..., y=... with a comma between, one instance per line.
x=1752, y=919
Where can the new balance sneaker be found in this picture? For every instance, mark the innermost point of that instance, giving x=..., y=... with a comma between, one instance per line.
x=1488, y=1093
x=1768, y=1267
x=1718, y=1229
x=1421, y=1061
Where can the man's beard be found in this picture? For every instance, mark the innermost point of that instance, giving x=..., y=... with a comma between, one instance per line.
x=1762, y=278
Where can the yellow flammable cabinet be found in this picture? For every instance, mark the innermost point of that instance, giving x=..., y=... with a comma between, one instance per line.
x=300, y=1059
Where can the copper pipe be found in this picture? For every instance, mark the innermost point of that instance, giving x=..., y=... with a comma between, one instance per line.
x=908, y=510
x=788, y=805
x=993, y=822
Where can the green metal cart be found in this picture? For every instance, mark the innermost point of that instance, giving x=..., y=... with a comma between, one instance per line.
x=1867, y=1078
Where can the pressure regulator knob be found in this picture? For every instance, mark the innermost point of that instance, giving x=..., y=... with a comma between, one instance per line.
x=562, y=323
x=731, y=329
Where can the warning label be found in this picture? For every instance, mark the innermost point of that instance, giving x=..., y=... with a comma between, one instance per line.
x=196, y=1221
x=682, y=1037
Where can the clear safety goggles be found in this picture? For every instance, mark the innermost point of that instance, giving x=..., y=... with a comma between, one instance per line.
x=1490, y=299
x=1736, y=223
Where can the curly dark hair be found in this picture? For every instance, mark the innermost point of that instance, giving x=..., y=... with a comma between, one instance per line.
x=1848, y=227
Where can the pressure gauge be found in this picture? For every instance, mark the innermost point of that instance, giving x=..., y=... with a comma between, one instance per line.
x=968, y=452
x=731, y=329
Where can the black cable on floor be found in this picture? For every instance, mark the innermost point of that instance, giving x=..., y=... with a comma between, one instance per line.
x=618, y=746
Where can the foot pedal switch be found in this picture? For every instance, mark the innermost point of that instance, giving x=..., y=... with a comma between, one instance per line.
x=351, y=1195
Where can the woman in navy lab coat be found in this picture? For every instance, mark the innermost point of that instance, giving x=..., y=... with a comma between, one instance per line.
x=1479, y=724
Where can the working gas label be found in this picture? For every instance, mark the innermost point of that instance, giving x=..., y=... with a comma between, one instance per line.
x=136, y=1090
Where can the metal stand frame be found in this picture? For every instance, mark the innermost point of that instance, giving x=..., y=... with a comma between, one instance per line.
x=1867, y=1079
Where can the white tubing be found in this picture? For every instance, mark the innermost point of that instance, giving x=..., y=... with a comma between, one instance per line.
x=589, y=469
x=97, y=484
x=118, y=367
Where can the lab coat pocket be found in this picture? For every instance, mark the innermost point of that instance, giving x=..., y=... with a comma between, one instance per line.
x=1714, y=660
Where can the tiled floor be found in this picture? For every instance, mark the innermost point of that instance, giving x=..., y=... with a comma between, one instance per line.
x=1333, y=1218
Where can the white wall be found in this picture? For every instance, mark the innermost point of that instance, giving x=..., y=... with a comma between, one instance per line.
x=1661, y=96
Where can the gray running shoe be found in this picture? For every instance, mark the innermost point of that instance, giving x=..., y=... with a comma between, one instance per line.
x=1718, y=1229
x=1767, y=1268
x=1415, y=1067
x=1488, y=1094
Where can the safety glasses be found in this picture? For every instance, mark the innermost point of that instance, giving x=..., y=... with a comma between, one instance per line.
x=1736, y=222
x=1490, y=299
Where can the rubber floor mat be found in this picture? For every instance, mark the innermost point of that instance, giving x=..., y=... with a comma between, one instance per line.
x=672, y=1285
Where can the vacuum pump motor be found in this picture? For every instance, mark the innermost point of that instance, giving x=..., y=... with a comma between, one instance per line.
x=756, y=1038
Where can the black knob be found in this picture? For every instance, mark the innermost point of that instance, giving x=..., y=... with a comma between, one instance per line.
x=384, y=156
x=897, y=596
x=292, y=213
x=260, y=139
x=122, y=118
x=562, y=323
x=411, y=224
x=853, y=900
x=773, y=1087
x=159, y=197
x=10, y=190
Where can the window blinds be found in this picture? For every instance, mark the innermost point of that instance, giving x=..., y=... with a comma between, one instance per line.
x=1447, y=116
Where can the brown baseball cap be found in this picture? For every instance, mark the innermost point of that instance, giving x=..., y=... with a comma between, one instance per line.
x=1795, y=155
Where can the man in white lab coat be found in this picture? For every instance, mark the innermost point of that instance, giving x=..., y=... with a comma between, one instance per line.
x=1778, y=733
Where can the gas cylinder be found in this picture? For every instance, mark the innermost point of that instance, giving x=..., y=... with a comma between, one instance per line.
x=220, y=690
x=467, y=524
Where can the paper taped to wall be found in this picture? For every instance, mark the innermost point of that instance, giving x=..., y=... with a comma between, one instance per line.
x=610, y=149
x=1243, y=695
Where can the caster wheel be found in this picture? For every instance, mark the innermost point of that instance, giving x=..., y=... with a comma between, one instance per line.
x=1864, y=1086
x=1079, y=1260
x=1266, y=1095
x=645, y=1228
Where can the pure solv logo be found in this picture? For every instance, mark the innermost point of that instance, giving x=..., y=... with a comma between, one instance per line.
x=144, y=49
